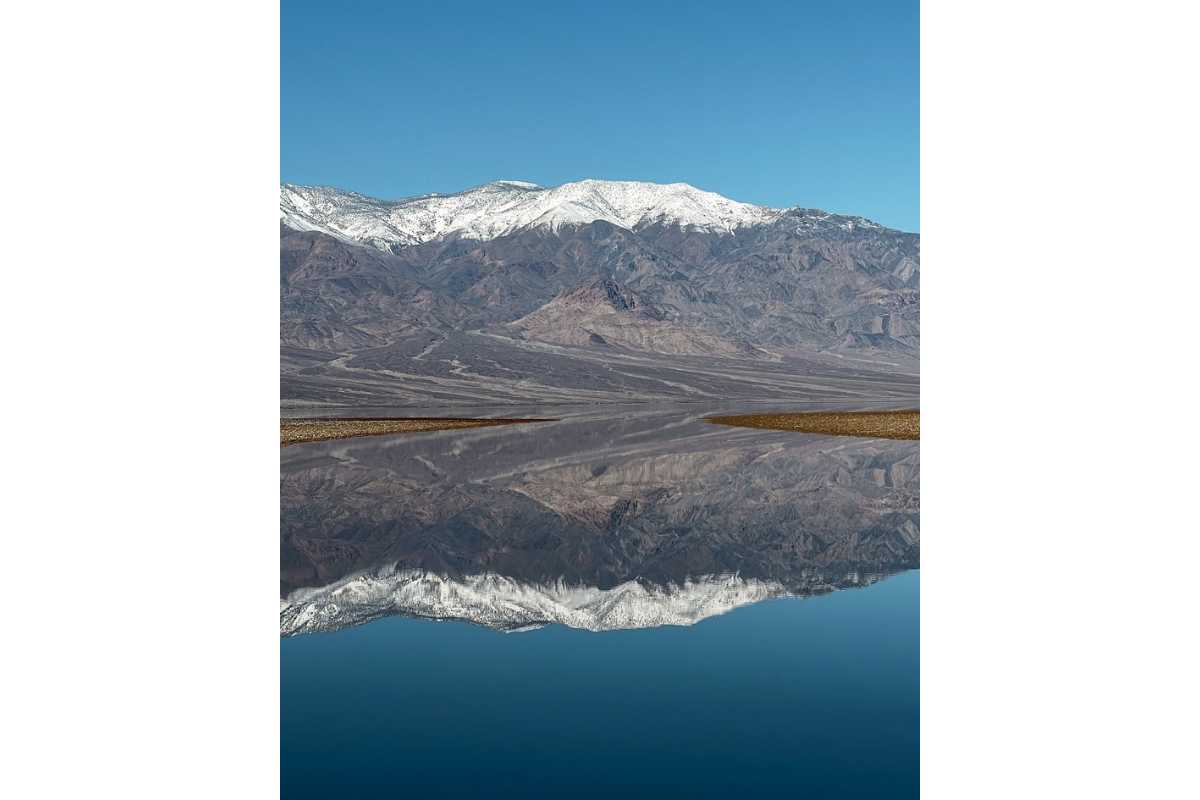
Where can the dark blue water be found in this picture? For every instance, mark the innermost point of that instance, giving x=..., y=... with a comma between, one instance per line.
x=787, y=698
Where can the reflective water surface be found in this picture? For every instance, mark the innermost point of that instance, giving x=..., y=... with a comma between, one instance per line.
x=625, y=598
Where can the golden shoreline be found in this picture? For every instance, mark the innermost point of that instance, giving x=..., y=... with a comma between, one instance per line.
x=875, y=424
x=302, y=431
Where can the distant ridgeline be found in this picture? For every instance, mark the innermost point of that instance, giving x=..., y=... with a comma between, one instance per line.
x=596, y=291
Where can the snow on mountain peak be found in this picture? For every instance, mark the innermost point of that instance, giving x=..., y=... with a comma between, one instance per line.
x=503, y=207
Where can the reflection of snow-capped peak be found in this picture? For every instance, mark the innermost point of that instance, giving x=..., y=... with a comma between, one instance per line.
x=503, y=207
x=505, y=604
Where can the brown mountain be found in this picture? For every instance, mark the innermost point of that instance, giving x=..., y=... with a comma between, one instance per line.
x=599, y=312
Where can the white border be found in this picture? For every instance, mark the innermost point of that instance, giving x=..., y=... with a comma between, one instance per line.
x=141, y=394
x=1058, y=205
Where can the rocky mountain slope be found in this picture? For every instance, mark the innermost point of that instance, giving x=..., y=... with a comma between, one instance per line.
x=601, y=312
x=427, y=300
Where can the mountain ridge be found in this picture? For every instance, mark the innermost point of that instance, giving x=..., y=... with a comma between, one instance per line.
x=504, y=207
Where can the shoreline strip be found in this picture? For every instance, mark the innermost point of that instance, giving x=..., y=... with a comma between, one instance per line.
x=873, y=424
x=303, y=431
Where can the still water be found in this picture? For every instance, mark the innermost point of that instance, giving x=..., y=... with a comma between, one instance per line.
x=626, y=602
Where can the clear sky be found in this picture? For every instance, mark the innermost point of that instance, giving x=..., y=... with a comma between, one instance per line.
x=782, y=104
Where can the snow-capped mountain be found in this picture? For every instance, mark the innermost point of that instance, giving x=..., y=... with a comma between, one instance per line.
x=491, y=296
x=504, y=207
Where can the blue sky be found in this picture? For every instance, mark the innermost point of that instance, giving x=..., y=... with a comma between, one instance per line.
x=775, y=103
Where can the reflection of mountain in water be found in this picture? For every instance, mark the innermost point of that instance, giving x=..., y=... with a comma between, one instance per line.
x=634, y=519
x=505, y=604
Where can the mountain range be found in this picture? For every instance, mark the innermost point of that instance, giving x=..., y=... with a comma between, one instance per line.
x=596, y=291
